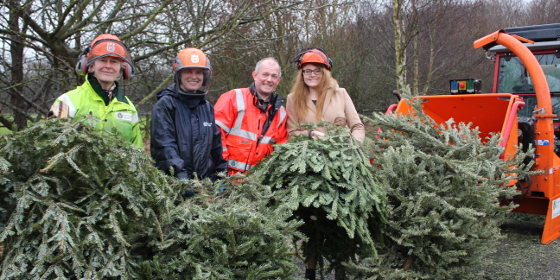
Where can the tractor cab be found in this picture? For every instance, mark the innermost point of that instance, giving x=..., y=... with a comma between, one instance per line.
x=511, y=75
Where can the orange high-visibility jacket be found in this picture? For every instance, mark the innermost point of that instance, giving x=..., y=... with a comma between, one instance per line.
x=244, y=141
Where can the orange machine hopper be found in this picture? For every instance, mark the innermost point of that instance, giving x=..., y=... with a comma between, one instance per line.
x=491, y=113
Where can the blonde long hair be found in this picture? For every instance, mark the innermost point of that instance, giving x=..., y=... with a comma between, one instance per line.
x=301, y=91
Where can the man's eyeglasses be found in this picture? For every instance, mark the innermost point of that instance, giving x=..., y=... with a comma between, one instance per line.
x=308, y=72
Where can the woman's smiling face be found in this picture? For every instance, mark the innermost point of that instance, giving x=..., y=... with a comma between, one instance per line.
x=312, y=75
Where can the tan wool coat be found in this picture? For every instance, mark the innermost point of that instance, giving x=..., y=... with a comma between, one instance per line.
x=338, y=109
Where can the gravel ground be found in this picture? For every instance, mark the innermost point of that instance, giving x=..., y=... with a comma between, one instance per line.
x=301, y=272
x=520, y=255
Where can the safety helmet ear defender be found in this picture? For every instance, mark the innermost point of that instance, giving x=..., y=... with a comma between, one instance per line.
x=313, y=55
x=193, y=58
x=105, y=45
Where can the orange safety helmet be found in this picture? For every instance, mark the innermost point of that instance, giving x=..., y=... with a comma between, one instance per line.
x=105, y=45
x=193, y=58
x=313, y=55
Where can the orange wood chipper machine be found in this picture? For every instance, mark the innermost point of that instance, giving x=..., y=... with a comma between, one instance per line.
x=498, y=112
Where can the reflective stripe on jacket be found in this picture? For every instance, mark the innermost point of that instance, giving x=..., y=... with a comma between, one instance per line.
x=119, y=115
x=242, y=124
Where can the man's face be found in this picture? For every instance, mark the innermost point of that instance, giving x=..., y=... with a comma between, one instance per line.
x=191, y=79
x=267, y=78
x=107, y=69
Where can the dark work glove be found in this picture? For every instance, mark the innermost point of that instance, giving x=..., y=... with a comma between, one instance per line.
x=51, y=115
x=221, y=191
x=190, y=192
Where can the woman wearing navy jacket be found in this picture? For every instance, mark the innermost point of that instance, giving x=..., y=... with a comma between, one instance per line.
x=184, y=135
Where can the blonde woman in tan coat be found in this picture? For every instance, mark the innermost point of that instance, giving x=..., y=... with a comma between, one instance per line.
x=316, y=97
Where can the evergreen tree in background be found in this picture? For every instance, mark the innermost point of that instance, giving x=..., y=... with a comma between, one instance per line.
x=329, y=184
x=77, y=204
x=444, y=185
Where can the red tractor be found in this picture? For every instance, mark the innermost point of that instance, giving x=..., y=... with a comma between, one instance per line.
x=521, y=109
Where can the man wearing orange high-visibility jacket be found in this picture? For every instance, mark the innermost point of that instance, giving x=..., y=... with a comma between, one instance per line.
x=252, y=119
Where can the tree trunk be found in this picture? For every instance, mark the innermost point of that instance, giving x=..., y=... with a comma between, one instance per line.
x=16, y=51
x=416, y=63
x=400, y=49
x=433, y=34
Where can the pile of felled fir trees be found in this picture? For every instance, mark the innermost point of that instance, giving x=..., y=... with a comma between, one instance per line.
x=415, y=201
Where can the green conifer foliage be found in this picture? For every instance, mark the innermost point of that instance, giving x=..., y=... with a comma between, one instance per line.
x=78, y=200
x=230, y=234
x=77, y=204
x=329, y=184
x=444, y=186
x=5, y=206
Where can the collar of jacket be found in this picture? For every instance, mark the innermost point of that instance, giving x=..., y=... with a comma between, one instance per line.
x=179, y=90
x=119, y=95
x=191, y=100
x=275, y=99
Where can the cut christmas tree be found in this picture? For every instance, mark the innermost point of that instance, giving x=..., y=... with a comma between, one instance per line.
x=444, y=185
x=78, y=204
x=328, y=183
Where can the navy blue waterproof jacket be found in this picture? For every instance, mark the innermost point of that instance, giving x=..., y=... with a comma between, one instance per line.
x=184, y=136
